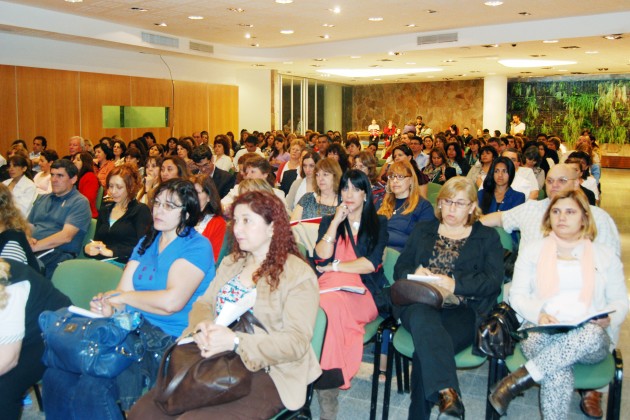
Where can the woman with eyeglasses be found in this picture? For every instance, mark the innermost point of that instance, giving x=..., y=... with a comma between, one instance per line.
x=467, y=259
x=403, y=205
x=168, y=270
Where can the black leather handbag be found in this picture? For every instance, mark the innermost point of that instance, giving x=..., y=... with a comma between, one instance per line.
x=497, y=334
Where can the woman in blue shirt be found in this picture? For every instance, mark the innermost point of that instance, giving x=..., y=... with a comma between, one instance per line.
x=168, y=270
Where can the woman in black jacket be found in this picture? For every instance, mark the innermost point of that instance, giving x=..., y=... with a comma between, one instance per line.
x=122, y=222
x=468, y=260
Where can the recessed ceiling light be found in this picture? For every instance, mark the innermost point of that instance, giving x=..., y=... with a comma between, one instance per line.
x=246, y=25
x=525, y=63
x=491, y=46
x=493, y=3
x=248, y=35
x=74, y=1
x=450, y=60
x=255, y=45
x=377, y=72
x=139, y=9
x=570, y=47
x=411, y=25
x=395, y=53
x=315, y=65
x=591, y=52
x=284, y=1
x=195, y=17
x=355, y=56
x=375, y=19
x=550, y=41
x=319, y=59
x=563, y=70
x=328, y=25
x=411, y=64
x=287, y=62
x=524, y=13
x=160, y=24
x=286, y=31
x=335, y=9
x=603, y=69
x=326, y=36
x=613, y=37
x=236, y=9
x=385, y=59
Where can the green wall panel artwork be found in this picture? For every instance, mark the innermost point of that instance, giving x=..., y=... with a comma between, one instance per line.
x=135, y=116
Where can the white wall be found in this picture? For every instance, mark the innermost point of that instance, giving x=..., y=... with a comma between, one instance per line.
x=254, y=85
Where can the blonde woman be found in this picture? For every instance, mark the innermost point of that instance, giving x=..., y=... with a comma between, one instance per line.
x=13, y=232
x=403, y=205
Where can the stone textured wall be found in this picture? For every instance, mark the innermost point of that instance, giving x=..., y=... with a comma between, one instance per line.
x=439, y=103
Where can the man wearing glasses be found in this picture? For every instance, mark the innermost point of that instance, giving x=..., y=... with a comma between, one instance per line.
x=527, y=218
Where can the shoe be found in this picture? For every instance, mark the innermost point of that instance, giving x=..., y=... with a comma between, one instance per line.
x=451, y=406
x=591, y=403
x=503, y=392
x=328, y=403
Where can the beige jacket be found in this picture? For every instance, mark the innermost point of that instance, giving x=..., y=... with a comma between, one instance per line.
x=288, y=314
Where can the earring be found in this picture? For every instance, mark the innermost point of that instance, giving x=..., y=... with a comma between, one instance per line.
x=440, y=207
x=365, y=200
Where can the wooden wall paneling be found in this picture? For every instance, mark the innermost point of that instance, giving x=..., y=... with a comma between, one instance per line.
x=8, y=109
x=98, y=90
x=48, y=105
x=152, y=92
x=223, y=100
x=191, y=108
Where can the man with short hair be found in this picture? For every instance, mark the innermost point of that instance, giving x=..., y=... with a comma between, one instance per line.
x=466, y=136
x=39, y=145
x=250, y=147
x=76, y=144
x=149, y=137
x=59, y=220
x=416, y=147
x=197, y=138
x=422, y=130
x=494, y=142
x=516, y=125
x=527, y=218
x=323, y=141
x=524, y=179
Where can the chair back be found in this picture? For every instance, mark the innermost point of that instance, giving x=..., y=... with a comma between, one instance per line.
x=82, y=279
x=99, y=197
x=433, y=190
x=89, y=235
x=506, y=239
x=391, y=256
x=317, y=342
x=226, y=247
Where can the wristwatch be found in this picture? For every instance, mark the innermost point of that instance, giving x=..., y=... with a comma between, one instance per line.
x=335, y=265
x=237, y=341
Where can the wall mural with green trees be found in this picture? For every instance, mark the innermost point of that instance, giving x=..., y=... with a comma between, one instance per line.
x=564, y=108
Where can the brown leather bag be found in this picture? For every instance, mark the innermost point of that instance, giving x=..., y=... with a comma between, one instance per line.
x=407, y=292
x=187, y=381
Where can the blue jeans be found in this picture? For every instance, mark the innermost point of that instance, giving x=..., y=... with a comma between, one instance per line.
x=69, y=396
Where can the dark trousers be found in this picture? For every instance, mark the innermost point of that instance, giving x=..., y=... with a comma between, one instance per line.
x=15, y=383
x=437, y=336
x=53, y=259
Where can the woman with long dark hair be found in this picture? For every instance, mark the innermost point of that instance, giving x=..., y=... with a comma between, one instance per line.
x=87, y=181
x=497, y=194
x=20, y=184
x=480, y=170
x=211, y=223
x=349, y=252
x=104, y=159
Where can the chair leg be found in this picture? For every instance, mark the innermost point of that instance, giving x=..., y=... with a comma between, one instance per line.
x=391, y=355
x=375, y=375
x=399, y=382
x=613, y=412
x=38, y=397
x=406, y=374
x=497, y=371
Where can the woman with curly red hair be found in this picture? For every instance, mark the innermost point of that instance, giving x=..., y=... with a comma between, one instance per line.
x=265, y=260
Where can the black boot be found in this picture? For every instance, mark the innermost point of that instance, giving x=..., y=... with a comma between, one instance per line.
x=509, y=387
x=451, y=406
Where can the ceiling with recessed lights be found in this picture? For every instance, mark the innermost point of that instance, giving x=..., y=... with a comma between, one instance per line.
x=358, y=41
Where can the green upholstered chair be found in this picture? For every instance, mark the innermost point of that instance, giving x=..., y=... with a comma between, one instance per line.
x=608, y=372
x=82, y=279
x=89, y=235
x=99, y=197
x=433, y=190
x=402, y=347
x=317, y=342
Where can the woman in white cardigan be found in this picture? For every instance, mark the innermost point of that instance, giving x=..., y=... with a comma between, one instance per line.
x=564, y=278
x=23, y=189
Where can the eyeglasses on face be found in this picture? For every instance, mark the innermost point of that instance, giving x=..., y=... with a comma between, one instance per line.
x=397, y=177
x=561, y=180
x=168, y=206
x=458, y=204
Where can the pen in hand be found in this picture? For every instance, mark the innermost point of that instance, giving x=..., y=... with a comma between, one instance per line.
x=106, y=297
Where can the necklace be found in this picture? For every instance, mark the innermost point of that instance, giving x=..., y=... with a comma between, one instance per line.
x=400, y=208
